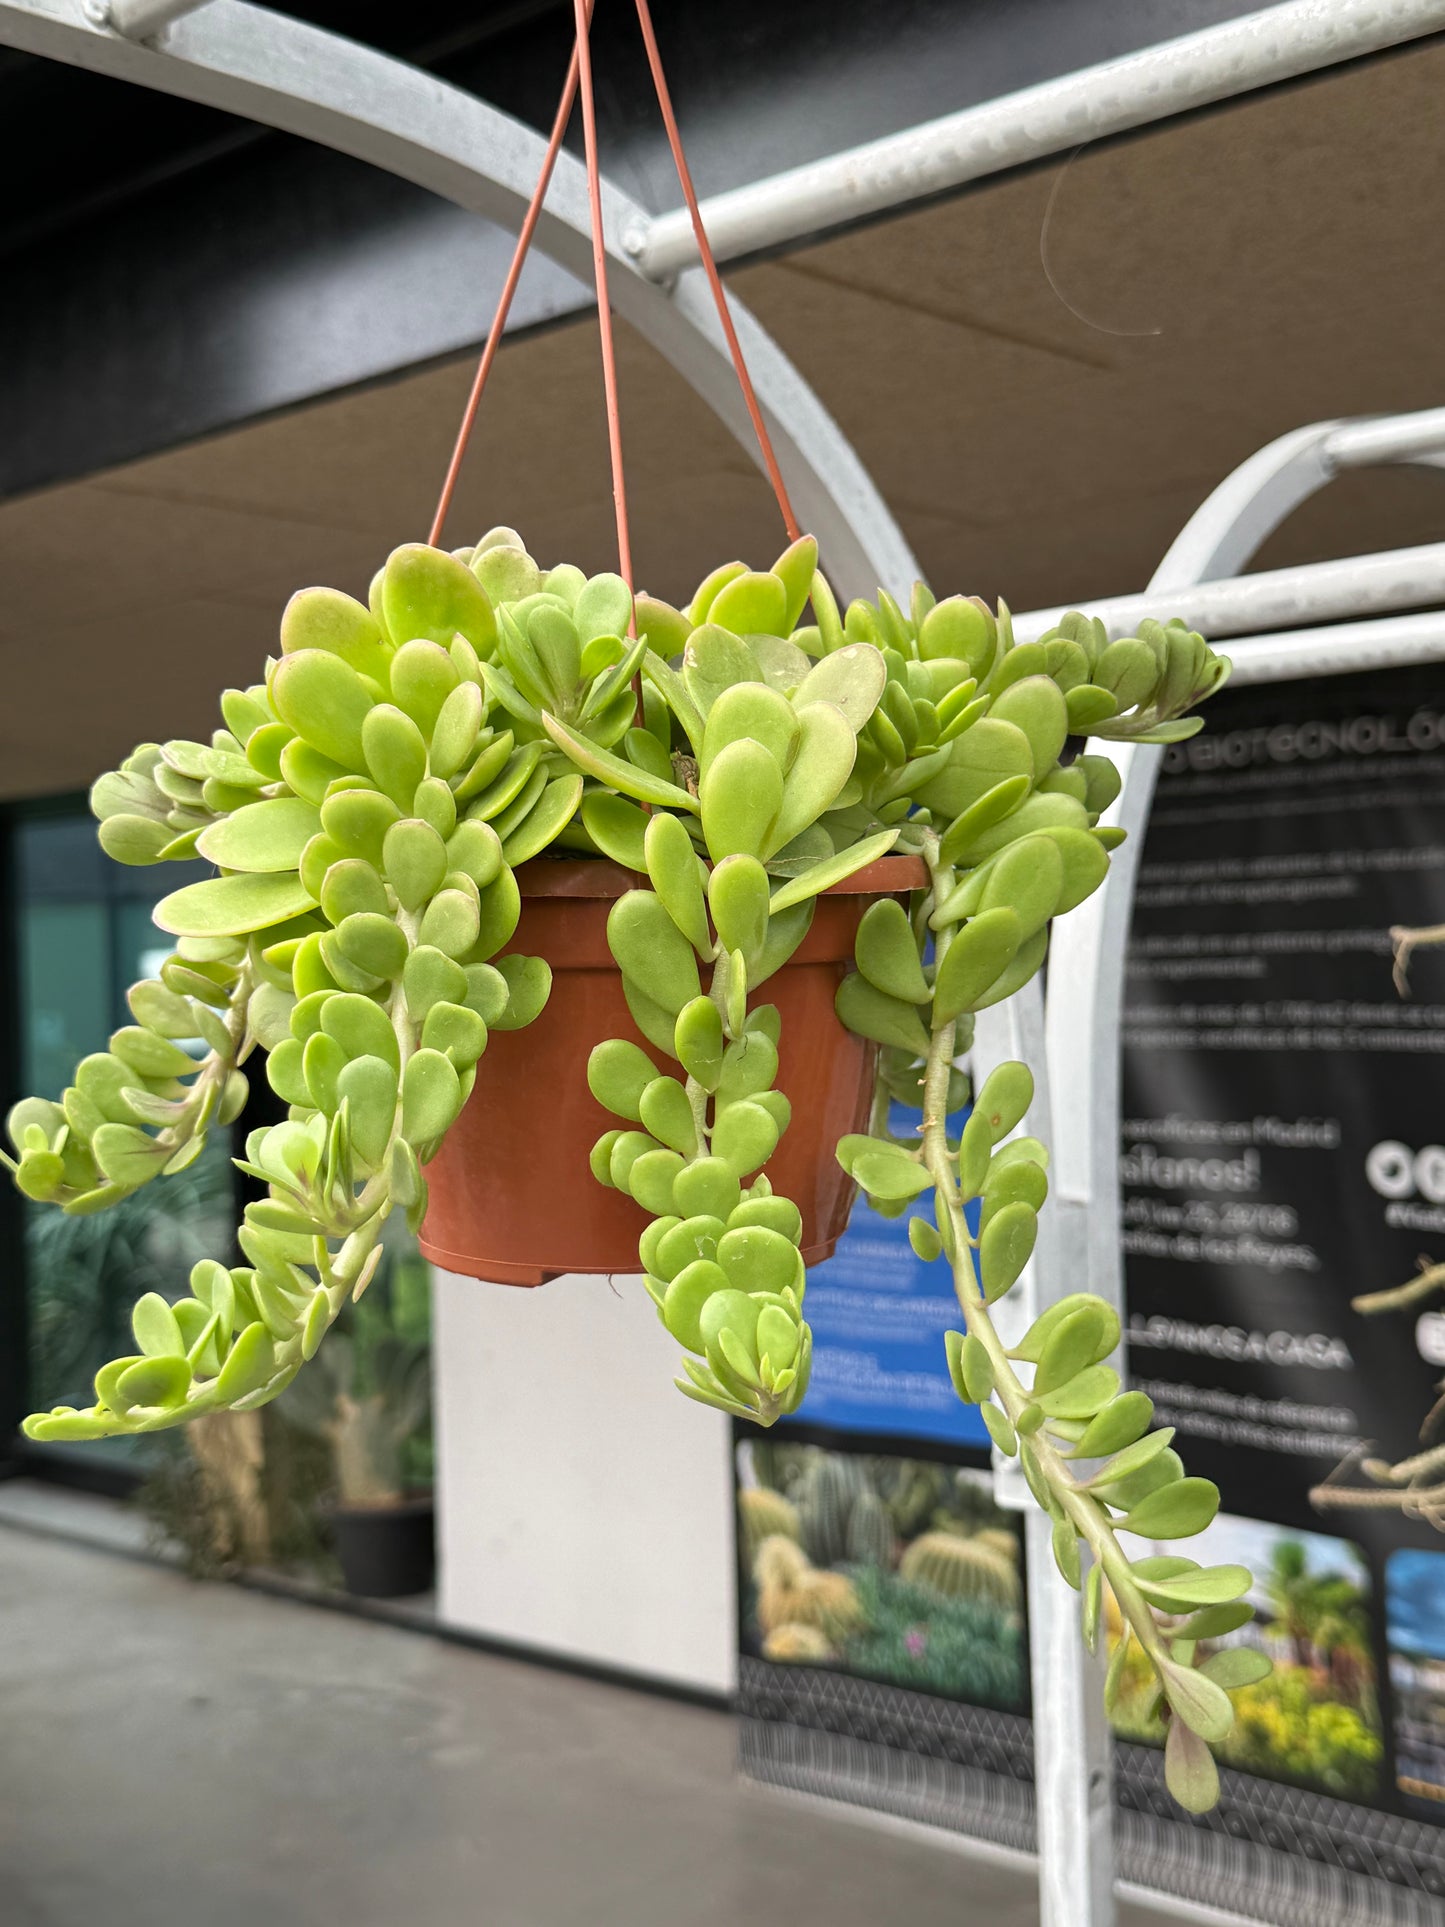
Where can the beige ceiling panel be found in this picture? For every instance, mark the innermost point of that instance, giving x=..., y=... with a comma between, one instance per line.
x=373, y=462
x=369, y=461
x=1161, y=229
x=1370, y=509
x=93, y=692
x=97, y=550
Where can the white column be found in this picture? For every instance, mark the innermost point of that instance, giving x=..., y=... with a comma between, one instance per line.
x=584, y=1506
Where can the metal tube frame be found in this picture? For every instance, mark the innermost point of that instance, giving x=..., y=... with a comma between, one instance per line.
x=1275, y=599
x=1196, y=70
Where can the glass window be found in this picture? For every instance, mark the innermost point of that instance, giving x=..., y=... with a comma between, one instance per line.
x=85, y=935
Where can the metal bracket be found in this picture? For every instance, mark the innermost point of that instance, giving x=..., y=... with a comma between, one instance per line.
x=138, y=19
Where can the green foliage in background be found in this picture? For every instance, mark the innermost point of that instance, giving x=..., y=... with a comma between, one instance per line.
x=369, y=1398
x=366, y=805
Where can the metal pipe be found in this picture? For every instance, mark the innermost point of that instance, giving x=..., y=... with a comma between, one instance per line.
x=1391, y=643
x=1354, y=585
x=1391, y=438
x=139, y=19
x=1279, y=43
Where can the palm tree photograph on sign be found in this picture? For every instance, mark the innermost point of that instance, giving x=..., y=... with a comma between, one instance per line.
x=1307, y=1704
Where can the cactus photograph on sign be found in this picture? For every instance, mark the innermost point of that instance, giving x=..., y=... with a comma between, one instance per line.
x=894, y=1569
x=381, y=809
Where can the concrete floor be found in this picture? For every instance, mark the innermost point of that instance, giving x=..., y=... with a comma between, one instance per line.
x=201, y=1753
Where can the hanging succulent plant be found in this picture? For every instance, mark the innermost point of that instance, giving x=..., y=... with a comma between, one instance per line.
x=366, y=807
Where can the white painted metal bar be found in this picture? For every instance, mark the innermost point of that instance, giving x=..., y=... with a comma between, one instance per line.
x=138, y=19
x=1343, y=647
x=1246, y=507
x=287, y=74
x=1217, y=63
x=1251, y=605
x=1389, y=438
x=1073, y=1746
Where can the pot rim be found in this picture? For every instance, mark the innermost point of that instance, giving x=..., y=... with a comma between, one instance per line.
x=598, y=878
x=408, y=1507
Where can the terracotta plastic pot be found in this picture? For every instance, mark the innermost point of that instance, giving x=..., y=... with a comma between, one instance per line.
x=512, y=1197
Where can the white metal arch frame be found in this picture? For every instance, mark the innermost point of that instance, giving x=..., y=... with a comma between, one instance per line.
x=285, y=74
x=1071, y=1036
x=1086, y=973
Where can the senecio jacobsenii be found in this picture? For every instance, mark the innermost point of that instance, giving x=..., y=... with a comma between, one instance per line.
x=366, y=806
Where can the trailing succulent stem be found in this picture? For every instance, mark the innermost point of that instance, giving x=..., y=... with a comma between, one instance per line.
x=959, y=740
x=1071, y=1410
x=365, y=807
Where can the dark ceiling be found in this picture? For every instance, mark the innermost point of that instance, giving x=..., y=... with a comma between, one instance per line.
x=172, y=271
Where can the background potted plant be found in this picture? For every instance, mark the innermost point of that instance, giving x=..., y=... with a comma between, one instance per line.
x=332, y=1481
x=369, y=1400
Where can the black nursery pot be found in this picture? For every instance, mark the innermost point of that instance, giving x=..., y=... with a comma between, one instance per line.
x=386, y=1551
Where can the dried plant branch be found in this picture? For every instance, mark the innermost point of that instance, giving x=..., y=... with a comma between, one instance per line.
x=1399, y=1297
x=1406, y=941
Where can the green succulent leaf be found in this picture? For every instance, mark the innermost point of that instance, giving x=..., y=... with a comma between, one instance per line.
x=1236, y=1666
x=1188, y=1585
x=618, y=827
x=850, y=679
x=430, y=595
x=741, y=793
x=826, y=753
x=975, y=959
x=616, y=773
x=1202, y=1706
x=325, y=702
x=233, y=905
x=1189, y=1770
x=871, y=1012
x=677, y=875
x=831, y=870
x=652, y=952
x=1177, y=1511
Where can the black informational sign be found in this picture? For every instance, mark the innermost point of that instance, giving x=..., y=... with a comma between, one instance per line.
x=1283, y=1121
